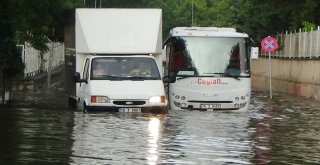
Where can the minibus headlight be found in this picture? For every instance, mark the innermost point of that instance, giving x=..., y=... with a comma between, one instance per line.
x=100, y=99
x=178, y=104
x=157, y=99
x=242, y=104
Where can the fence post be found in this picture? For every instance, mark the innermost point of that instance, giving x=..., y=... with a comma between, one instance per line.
x=290, y=45
x=299, y=46
x=317, y=50
x=294, y=43
x=279, y=41
x=310, y=47
x=304, y=44
x=50, y=58
x=282, y=45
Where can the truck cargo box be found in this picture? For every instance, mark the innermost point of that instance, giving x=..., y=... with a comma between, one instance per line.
x=118, y=31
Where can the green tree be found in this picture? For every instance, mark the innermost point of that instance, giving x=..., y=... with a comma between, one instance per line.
x=262, y=18
x=40, y=21
x=219, y=13
x=10, y=59
x=223, y=14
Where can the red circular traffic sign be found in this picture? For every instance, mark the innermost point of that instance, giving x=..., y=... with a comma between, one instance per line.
x=269, y=44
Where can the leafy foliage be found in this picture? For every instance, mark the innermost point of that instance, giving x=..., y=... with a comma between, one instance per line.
x=308, y=26
x=34, y=21
x=40, y=21
x=10, y=59
x=260, y=18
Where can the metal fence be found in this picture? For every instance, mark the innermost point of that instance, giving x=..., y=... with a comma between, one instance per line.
x=36, y=63
x=297, y=45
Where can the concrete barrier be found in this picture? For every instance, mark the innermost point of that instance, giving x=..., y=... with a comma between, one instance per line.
x=299, y=77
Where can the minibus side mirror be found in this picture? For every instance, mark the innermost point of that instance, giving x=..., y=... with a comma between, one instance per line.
x=254, y=53
x=171, y=78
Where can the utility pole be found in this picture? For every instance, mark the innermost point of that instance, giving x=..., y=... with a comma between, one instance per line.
x=192, y=13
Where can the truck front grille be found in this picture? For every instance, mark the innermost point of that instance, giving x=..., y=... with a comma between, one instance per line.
x=128, y=102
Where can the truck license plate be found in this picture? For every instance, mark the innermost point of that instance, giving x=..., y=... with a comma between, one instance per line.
x=129, y=109
x=210, y=106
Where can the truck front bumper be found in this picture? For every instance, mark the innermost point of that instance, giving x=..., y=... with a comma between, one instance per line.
x=151, y=109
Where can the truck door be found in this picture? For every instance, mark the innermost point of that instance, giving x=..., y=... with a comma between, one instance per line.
x=84, y=90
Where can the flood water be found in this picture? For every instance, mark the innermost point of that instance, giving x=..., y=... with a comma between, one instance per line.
x=42, y=130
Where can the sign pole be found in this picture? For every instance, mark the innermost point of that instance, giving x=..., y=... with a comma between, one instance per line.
x=270, y=76
x=269, y=44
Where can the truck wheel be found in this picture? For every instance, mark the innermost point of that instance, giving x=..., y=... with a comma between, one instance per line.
x=72, y=103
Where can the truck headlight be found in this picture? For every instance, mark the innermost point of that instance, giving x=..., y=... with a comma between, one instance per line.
x=157, y=99
x=100, y=99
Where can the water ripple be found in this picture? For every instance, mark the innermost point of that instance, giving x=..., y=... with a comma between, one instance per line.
x=284, y=130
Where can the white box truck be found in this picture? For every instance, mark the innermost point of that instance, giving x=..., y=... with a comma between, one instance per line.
x=118, y=60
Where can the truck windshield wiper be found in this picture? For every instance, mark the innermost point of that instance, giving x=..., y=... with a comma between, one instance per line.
x=105, y=77
x=110, y=76
x=152, y=78
x=134, y=78
x=141, y=78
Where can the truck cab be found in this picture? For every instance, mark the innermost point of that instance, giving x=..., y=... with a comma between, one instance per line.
x=121, y=83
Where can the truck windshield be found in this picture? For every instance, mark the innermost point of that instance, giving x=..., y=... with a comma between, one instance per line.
x=209, y=56
x=124, y=68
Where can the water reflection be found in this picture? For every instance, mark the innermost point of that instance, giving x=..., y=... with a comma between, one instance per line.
x=153, y=129
x=35, y=135
x=207, y=138
x=116, y=138
x=176, y=138
x=284, y=130
x=261, y=117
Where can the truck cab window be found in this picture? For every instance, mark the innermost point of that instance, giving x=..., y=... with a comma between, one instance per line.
x=124, y=68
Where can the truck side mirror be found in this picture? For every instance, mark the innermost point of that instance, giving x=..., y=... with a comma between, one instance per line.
x=76, y=78
x=254, y=54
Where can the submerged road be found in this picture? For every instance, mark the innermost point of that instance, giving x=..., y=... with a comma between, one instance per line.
x=40, y=129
